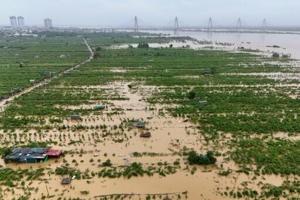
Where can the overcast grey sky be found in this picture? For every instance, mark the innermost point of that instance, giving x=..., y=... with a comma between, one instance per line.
x=152, y=12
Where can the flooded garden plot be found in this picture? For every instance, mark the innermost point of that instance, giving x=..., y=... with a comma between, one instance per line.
x=157, y=123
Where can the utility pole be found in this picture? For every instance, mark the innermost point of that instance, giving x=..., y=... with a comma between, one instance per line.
x=210, y=25
x=136, y=24
x=176, y=26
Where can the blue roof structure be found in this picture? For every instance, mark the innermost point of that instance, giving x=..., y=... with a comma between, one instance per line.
x=27, y=155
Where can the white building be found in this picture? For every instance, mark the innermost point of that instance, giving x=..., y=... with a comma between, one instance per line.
x=21, y=22
x=48, y=23
x=13, y=21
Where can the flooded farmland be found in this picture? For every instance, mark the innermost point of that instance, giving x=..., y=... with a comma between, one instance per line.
x=155, y=118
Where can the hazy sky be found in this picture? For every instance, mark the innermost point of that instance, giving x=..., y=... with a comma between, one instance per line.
x=152, y=12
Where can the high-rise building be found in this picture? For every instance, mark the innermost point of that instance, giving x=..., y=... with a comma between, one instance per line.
x=136, y=24
x=48, y=23
x=21, y=22
x=13, y=21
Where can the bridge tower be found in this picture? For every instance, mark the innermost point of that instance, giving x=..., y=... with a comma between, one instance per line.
x=239, y=24
x=264, y=25
x=176, y=25
x=136, y=24
x=210, y=25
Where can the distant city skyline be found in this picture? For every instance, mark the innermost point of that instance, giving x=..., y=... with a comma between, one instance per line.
x=118, y=13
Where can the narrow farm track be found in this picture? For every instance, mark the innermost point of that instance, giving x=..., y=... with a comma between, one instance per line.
x=6, y=102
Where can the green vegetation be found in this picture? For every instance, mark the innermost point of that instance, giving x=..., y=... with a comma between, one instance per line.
x=286, y=189
x=27, y=60
x=4, y=151
x=10, y=177
x=236, y=109
x=191, y=95
x=269, y=157
x=161, y=67
x=143, y=45
x=64, y=170
x=137, y=169
x=199, y=159
x=223, y=93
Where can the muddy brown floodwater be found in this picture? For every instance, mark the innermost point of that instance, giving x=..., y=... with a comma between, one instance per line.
x=270, y=42
x=87, y=149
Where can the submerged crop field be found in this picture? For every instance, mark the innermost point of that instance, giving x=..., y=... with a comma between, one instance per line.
x=149, y=117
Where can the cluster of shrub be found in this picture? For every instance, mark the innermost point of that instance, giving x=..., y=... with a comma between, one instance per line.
x=198, y=159
x=71, y=172
x=143, y=45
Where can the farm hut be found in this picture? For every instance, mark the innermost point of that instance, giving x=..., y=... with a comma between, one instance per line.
x=275, y=55
x=75, y=117
x=208, y=71
x=53, y=153
x=203, y=102
x=99, y=107
x=38, y=150
x=286, y=55
x=146, y=134
x=139, y=124
x=66, y=180
x=31, y=155
x=27, y=155
x=33, y=158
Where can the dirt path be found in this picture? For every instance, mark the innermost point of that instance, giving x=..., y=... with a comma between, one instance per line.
x=6, y=102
